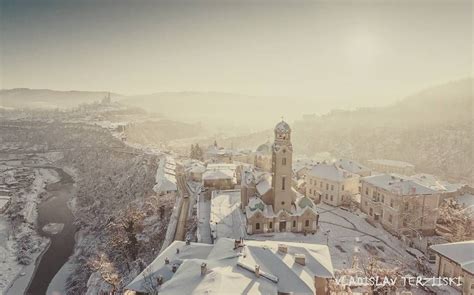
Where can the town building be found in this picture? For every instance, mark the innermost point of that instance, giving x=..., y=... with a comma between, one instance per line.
x=166, y=176
x=445, y=188
x=353, y=167
x=237, y=267
x=392, y=166
x=195, y=170
x=331, y=184
x=219, y=176
x=301, y=167
x=456, y=260
x=269, y=200
x=400, y=204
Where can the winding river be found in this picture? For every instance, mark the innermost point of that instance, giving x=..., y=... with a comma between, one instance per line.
x=55, y=210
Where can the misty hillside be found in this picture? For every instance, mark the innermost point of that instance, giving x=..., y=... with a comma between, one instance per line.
x=432, y=129
x=46, y=98
x=226, y=112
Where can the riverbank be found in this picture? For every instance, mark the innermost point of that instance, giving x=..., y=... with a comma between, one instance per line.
x=21, y=246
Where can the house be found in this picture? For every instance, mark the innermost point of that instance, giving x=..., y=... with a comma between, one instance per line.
x=301, y=167
x=446, y=189
x=399, y=203
x=270, y=202
x=456, y=260
x=331, y=184
x=392, y=166
x=166, y=176
x=220, y=176
x=195, y=170
x=237, y=267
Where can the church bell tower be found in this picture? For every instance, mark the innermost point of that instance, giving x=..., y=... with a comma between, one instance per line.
x=282, y=153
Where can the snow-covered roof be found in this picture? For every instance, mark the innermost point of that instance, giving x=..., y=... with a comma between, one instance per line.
x=255, y=205
x=392, y=163
x=231, y=271
x=352, y=166
x=196, y=168
x=303, y=163
x=165, y=175
x=264, y=184
x=218, y=174
x=466, y=200
x=398, y=184
x=461, y=252
x=215, y=166
x=330, y=172
x=226, y=218
x=434, y=183
x=282, y=127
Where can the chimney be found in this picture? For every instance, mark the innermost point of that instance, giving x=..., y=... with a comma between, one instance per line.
x=203, y=269
x=282, y=248
x=159, y=280
x=300, y=259
x=257, y=270
x=177, y=250
x=167, y=261
x=174, y=268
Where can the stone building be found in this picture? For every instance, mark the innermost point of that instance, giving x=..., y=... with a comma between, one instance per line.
x=456, y=260
x=331, y=184
x=392, y=166
x=269, y=200
x=400, y=204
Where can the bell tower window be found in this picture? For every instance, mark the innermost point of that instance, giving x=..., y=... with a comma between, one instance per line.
x=283, y=179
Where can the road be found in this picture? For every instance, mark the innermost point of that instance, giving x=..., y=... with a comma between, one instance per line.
x=183, y=211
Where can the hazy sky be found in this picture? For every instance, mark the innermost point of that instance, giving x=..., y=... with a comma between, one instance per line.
x=360, y=52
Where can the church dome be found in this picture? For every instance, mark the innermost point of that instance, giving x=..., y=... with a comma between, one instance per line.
x=282, y=127
x=265, y=148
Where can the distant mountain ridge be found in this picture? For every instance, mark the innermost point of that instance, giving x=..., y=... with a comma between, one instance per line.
x=47, y=98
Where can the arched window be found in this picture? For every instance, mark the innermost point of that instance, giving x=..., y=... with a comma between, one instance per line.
x=306, y=223
x=270, y=225
x=257, y=225
x=294, y=223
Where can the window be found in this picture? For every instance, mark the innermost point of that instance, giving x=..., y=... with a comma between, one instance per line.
x=331, y=197
x=390, y=218
x=327, y=186
x=326, y=196
x=294, y=223
x=332, y=187
x=391, y=203
x=283, y=161
x=342, y=187
x=371, y=212
x=367, y=191
x=257, y=225
x=321, y=184
x=283, y=183
x=306, y=223
x=383, y=197
x=270, y=225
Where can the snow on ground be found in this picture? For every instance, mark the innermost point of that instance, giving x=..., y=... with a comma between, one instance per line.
x=13, y=276
x=227, y=219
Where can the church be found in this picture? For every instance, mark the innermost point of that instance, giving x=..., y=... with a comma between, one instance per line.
x=269, y=201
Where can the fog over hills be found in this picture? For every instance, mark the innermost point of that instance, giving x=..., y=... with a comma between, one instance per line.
x=46, y=98
x=432, y=129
